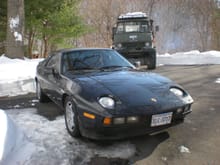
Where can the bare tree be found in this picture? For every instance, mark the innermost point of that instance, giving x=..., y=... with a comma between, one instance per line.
x=15, y=29
x=215, y=24
x=202, y=13
x=100, y=16
x=184, y=24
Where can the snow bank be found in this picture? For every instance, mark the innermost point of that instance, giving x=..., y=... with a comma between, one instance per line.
x=14, y=146
x=217, y=81
x=189, y=58
x=55, y=146
x=17, y=76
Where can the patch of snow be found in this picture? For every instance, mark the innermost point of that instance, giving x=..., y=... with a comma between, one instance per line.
x=164, y=158
x=14, y=145
x=212, y=109
x=14, y=22
x=55, y=146
x=18, y=36
x=17, y=76
x=184, y=149
x=189, y=58
x=17, y=106
x=217, y=81
x=212, y=53
x=34, y=101
x=3, y=128
x=193, y=52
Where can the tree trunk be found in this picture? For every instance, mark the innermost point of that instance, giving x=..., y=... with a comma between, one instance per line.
x=45, y=46
x=15, y=29
x=31, y=36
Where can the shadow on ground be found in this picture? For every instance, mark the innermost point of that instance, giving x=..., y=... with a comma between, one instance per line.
x=145, y=145
x=49, y=110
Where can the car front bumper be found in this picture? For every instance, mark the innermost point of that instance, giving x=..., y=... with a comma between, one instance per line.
x=95, y=129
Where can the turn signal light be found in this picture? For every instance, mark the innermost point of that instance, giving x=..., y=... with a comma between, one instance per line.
x=107, y=121
x=88, y=115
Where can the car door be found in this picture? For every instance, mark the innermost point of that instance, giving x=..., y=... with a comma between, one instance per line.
x=53, y=78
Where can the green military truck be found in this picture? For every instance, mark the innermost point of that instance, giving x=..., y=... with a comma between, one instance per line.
x=133, y=37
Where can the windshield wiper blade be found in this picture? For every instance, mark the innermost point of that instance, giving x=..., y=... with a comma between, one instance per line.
x=110, y=67
x=115, y=67
x=85, y=68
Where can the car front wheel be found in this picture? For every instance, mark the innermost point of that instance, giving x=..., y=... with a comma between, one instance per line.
x=71, y=118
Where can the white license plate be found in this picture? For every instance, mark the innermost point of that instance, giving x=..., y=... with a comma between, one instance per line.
x=161, y=119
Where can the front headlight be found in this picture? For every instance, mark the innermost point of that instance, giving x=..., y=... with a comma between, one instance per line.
x=119, y=45
x=147, y=44
x=186, y=97
x=177, y=92
x=107, y=102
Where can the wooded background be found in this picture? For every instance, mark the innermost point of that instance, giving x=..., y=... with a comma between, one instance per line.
x=51, y=24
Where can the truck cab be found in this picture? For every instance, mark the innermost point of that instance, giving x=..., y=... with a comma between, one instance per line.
x=133, y=37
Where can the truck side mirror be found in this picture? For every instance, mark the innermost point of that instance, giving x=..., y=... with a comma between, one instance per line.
x=157, y=28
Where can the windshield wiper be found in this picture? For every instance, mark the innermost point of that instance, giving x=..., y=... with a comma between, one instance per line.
x=115, y=67
x=85, y=68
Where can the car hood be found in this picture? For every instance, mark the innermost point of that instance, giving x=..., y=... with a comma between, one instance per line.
x=135, y=88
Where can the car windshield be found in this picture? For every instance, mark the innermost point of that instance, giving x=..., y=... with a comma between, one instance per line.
x=94, y=60
x=132, y=26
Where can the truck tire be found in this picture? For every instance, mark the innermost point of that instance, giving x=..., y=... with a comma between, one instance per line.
x=151, y=61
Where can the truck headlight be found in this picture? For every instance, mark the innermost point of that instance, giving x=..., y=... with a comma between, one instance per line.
x=107, y=102
x=119, y=45
x=147, y=44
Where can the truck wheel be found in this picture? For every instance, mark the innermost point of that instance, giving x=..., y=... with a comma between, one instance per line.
x=151, y=61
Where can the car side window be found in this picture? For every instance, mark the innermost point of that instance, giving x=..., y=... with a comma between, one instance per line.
x=52, y=61
x=65, y=63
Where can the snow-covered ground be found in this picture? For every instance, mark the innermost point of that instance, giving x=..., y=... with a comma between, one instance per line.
x=189, y=58
x=15, y=148
x=33, y=138
x=51, y=144
x=16, y=76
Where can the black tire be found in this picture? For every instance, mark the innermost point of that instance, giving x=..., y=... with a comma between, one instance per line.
x=71, y=118
x=151, y=61
x=40, y=94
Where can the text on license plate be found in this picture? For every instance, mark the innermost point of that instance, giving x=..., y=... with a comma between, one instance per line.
x=161, y=119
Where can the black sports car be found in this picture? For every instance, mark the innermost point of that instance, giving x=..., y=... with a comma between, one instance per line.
x=106, y=97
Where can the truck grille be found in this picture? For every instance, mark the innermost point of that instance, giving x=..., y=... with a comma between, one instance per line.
x=133, y=45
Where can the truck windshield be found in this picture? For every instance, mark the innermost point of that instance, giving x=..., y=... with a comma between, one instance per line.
x=132, y=26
